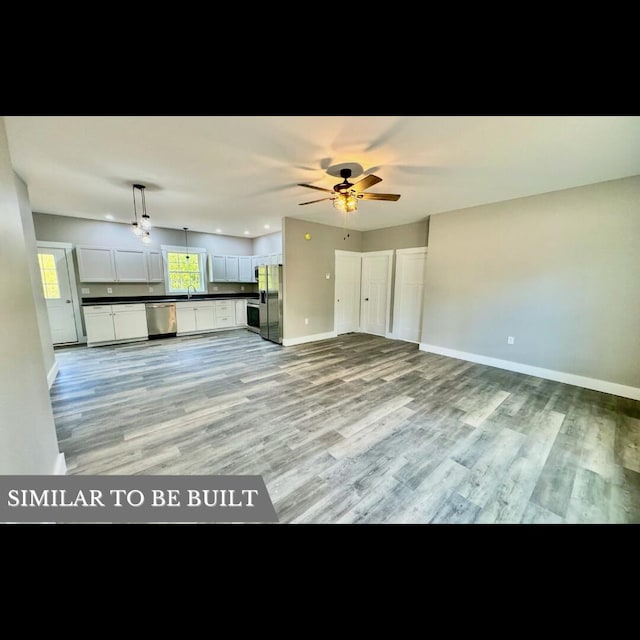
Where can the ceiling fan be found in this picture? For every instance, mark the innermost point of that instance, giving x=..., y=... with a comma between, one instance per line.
x=345, y=195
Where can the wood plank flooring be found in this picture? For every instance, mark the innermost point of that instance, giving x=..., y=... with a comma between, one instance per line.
x=357, y=429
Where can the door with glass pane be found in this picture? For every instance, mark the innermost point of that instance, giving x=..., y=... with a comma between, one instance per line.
x=57, y=293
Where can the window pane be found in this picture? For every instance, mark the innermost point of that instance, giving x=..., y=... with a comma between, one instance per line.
x=53, y=291
x=47, y=261
x=184, y=271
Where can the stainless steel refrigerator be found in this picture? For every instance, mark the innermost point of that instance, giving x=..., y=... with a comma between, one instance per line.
x=270, y=288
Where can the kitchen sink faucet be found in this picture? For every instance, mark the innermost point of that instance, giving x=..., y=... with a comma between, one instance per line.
x=189, y=292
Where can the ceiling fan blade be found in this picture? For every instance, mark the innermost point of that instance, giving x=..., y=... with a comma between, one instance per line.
x=366, y=182
x=310, y=186
x=312, y=201
x=381, y=196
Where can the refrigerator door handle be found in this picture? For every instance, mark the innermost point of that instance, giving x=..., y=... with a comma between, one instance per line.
x=263, y=297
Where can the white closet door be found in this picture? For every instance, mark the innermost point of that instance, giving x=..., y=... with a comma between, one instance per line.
x=409, y=293
x=347, y=292
x=375, y=292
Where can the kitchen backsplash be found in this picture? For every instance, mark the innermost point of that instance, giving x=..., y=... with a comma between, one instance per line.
x=99, y=289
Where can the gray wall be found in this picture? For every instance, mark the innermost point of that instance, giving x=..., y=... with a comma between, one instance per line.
x=34, y=273
x=114, y=234
x=307, y=293
x=560, y=272
x=28, y=442
x=271, y=243
x=404, y=236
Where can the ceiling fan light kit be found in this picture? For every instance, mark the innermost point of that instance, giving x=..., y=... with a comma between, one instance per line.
x=345, y=195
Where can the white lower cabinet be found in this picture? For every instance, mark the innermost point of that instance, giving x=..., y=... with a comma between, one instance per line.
x=185, y=318
x=225, y=313
x=113, y=323
x=195, y=316
x=241, y=313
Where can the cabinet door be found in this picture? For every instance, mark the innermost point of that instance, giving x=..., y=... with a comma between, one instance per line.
x=155, y=267
x=185, y=319
x=99, y=327
x=95, y=264
x=232, y=267
x=241, y=313
x=204, y=318
x=217, y=269
x=245, y=273
x=130, y=324
x=131, y=265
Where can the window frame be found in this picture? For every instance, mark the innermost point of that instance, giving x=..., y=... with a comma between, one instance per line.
x=193, y=251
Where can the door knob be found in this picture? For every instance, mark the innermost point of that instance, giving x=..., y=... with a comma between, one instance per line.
x=366, y=299
x=68, y=301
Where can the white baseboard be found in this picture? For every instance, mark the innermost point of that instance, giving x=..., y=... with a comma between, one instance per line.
x=60, y=468
x=53, y=372
x=549, y=374
x=290, y=342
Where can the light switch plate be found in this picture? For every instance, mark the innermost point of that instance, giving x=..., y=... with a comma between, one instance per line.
x=86, y=290
x=150, y=289
x=109, y=290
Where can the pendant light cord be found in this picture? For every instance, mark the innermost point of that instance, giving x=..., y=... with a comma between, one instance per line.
x=186, y=242
x=135, y=211
x=144, y=204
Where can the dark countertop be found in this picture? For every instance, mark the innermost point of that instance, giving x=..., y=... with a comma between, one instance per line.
x=174, y=298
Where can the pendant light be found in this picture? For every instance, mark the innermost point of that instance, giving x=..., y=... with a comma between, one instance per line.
x=186, y=243
x=141, y=228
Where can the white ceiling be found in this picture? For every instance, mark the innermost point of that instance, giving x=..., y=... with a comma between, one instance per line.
x=238, y=173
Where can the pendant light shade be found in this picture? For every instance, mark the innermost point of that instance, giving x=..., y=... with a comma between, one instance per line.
x=141, y=227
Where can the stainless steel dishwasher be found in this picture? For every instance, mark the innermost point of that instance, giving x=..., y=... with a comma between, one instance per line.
x=161, y=319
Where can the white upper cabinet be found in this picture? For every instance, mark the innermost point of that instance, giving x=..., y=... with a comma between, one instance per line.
x=131, y=265
x=154, y=266
x=217, y=269
x=101, y=264
x=245, y=269
x=95, y=264
x=231, y=265
x=226, y=268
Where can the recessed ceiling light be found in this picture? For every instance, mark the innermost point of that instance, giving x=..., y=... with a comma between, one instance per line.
x=246, y=233
x=218, y=230
x=267, y=226
x=109, y=216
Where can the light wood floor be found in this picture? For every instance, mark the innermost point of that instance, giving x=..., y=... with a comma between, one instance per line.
x=354, y=429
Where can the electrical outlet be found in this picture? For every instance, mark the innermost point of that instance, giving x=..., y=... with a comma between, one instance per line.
x=86, y=290
x=242, y=288
x=150, y=289
x=109, y=290
x=510, y=339
x=306, y=320
x=215, y=288
x=327, y=276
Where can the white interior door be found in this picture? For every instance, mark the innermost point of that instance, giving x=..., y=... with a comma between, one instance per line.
x=347, y=292
x=409, y=293
x=375, y=292
x=56, y=285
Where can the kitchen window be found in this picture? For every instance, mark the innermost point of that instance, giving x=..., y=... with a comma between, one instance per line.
x=184, y=270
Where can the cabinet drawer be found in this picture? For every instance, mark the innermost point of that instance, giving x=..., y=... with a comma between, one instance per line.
x=128, y=307
x=98, y=308
x=224, y=321
x=224, y=308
